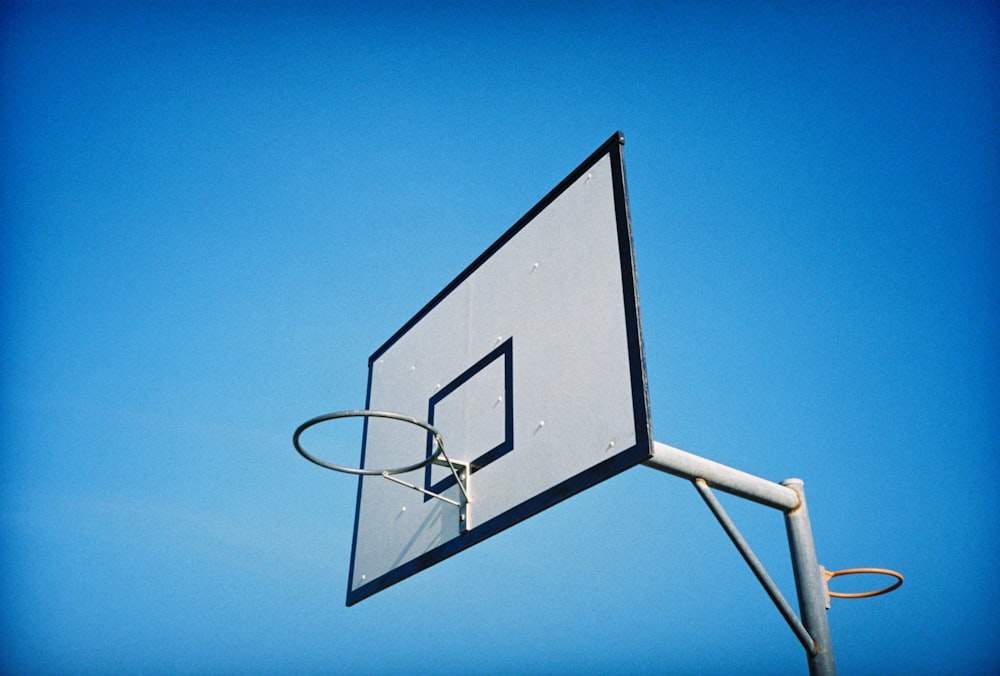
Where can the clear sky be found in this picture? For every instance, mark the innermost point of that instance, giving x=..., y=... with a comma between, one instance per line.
x=211, y=217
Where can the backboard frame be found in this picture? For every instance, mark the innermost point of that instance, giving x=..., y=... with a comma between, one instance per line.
x=620, y=460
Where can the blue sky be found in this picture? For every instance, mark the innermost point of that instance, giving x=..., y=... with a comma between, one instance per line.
x=211, y=217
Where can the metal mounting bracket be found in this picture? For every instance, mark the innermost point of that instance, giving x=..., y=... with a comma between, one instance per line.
x=462, y=471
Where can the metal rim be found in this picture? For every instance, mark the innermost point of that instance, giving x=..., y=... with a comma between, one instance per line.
x=830, y=574
x=369, y=414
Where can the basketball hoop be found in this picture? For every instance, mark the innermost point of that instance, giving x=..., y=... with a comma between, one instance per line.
x=830, y=574
x=433, y=458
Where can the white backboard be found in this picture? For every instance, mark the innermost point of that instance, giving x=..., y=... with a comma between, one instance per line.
x=529, y=363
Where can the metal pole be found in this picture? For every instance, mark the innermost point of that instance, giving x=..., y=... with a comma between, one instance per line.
x=809, y=583
x=756, y=566
x=788, y=497
x=690, y=466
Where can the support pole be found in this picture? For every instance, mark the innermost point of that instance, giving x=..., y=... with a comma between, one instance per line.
x=789, y=497
x=756, y=566
x=690, y=466
x=809, y=583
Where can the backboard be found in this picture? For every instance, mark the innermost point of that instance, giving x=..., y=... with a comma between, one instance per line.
x=530, y=364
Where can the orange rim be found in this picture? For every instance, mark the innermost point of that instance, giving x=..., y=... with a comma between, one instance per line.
x=830, y=574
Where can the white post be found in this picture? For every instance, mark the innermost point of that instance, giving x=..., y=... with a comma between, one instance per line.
x=789, y=498
x=690, y=466
x=809, y=583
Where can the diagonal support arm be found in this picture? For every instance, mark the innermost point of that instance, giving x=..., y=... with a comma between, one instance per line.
x=756, y=566
x=813, y=630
